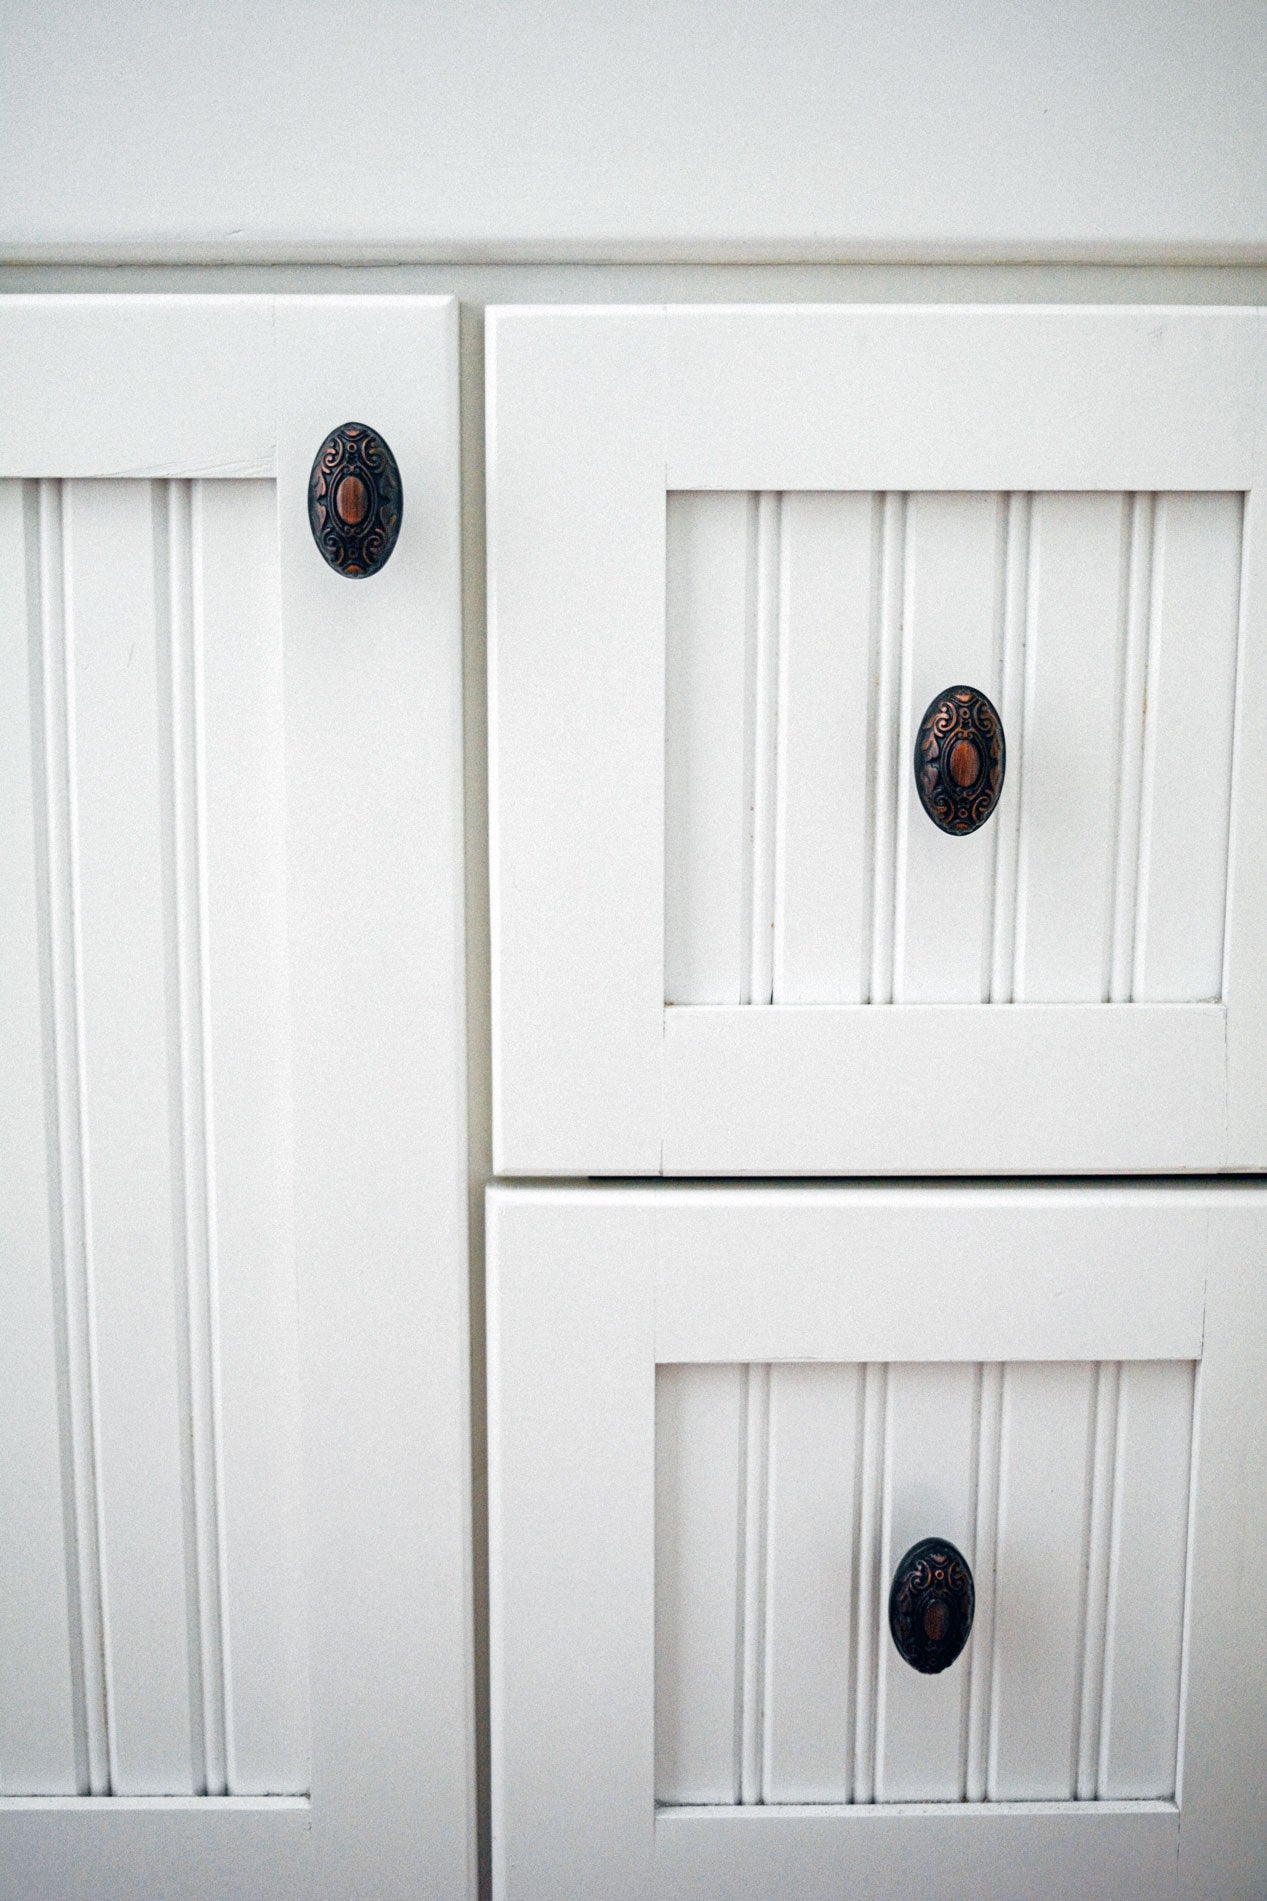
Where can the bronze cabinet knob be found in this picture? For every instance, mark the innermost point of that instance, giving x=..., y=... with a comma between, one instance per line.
x=960, y=758
x=355, y=500
x=931, y=1604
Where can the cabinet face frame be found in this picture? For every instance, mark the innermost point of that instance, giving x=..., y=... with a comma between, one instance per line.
x=589, y=1289
x=210, y=388
x=595, y=416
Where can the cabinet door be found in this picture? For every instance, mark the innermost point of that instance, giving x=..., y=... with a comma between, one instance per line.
x=233, y=1511
x=733, y=557
x=720, y=1418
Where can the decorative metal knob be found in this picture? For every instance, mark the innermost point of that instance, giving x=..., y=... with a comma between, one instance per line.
x=355, y=501
x=931, y=1604
x=960, y=758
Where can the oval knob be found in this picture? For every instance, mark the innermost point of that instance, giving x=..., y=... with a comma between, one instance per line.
x=355, y=500
x=960, y=758
x=931, y=1604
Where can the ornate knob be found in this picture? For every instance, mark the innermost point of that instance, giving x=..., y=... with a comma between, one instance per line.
x=931, y=1605
x=354, y=500
x=959, y=760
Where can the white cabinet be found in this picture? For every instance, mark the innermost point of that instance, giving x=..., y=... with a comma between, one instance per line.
x=733, y=555
x=234, y=1518
x=718, y=1418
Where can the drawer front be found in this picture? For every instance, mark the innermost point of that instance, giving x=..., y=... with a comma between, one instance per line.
x=744, y=922
x=721, y=1419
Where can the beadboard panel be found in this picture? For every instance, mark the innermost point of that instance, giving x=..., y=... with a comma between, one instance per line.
x=806, y=632
x=787, y=1494
x=151, y=1613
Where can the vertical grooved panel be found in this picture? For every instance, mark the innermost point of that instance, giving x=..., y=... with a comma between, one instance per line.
x=1007, y=820
x=888, y=598
x=120, y=773
x=1188, y=760
x=1099, y=1529
x=1139, y=1723
x=700, y=1428
x=149, y=1539
x=247, y=1077
x=981, y=1657
x=945, y=885
x=806, y=633
x=826, y=751
x=870, y=1584
x=751, y=1611
x=810, y=1585
x=80, y=1404
x=183, y=515
x=786, y=1497
x=1137, y=610
x=1039, y=1591
x=761, y=763
x=1072, y=729
x=42, y=1742
x=930, y=1440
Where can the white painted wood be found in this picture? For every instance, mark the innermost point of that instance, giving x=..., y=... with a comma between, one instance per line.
x=373, y=749
x=571, y=1488
x=79, y=1422
x=929, y=1448
x=1243, y=977
x=885, y=792
x=1191, y=699
x=800, y=1091
x=546, y=809
x=709, y=556
x=1135, y=612
x=1108, y=1272
x=1073, y=1511
x=875, y=1379
x=1039, y=1590
x=237, y=655
x=1220, y=1784
x=1026, y=397
x=233, y=808
x=191, y=389
x=583, y=1280
x=811, y=1582
x=1139, y=1722
x=118, y=702
x=826, y=751
x=1099, y=1540
x=760, y=765
x=700, y=1428
x=1012, y=609
x=1051, y=596
x=41, y=1730
x=1072, y=728
x=576, y=132
x=981, y=1657
x=887, y=1852
x=943, y=921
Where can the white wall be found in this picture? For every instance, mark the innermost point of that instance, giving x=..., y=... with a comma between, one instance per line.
x=793, y=129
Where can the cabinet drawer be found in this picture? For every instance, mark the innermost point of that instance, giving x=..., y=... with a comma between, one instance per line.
x=746, y=918
x=720, y=1419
